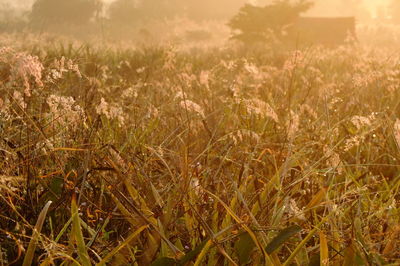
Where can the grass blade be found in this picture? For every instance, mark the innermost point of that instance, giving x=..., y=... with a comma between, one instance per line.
x=78, y=235
x=203, y=253
x=244, y=246
x=192, y=254
x=324, y=252
x=122, y=245
x=282, y=237
x=164, y=261
x=30, y=252
x=245, y=227
x=305, y=240
x=317, y=199
x=65, y=227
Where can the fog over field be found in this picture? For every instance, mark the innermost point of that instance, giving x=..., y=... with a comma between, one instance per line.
x=321, y=8
x=179, y=21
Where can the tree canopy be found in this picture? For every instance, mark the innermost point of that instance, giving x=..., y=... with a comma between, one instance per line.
x=253, y=24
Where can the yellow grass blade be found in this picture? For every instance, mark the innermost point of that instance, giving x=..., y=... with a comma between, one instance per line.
x=324, y=252
x=47, y=262
x=305, y=240
x=203, y=253
x=245, y=227
x=68, y=149
x=122, y=245
x=317, y=199
x=393, y=242
x=128, y=215
x=275, y=259
x=65, y=258
x=135, y=195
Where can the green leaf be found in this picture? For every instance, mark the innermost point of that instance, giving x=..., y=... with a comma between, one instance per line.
x=244, y=246
x=164, y=262
x=282, y=237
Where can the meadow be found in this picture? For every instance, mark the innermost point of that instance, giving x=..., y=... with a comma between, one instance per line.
x=218, y=156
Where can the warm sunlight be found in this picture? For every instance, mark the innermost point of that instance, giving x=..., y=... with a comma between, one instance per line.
x=321, y=8
x=199, y=132
x=348, y=7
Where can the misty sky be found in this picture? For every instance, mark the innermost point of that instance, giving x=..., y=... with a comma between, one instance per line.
x=371, y=5
x=340, y=7
x=26, y=4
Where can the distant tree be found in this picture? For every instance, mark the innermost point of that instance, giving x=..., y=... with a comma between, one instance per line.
x=254, y=24
x=76, y=12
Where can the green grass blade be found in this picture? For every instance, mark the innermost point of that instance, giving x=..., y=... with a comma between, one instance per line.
x=35, y=236
x=78, y=235
x=282, y=237
x=65, y=227
x=244, y=246
x=306, y=239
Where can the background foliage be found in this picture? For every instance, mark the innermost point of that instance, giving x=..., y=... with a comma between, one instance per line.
x=255, y=24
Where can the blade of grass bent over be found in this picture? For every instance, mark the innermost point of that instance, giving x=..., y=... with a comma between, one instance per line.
x=35, y=235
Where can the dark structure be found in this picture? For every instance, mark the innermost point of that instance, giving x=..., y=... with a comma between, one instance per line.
x=327, y=31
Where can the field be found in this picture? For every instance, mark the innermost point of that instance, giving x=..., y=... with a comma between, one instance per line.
x=162, y=156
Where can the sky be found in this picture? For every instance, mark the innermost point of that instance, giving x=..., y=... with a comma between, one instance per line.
x=340, y=7
x=371, y=5
x=28, y=3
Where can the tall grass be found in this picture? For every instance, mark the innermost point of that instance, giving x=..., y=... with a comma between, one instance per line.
x=212, y=157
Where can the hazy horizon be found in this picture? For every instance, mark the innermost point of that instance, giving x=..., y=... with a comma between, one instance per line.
x=321, y=7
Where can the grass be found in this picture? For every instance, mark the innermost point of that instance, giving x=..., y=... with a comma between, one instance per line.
x=201, y=157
